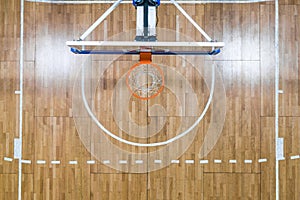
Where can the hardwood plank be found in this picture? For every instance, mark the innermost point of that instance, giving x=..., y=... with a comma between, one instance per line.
x=56, y=139
x=289, y=104
x=241, y=132
x=29, y=31
x=58, y=182
x=28, y=146
x=8, y=114
x=267, y=59
x=27, y=186
x=239, y=29
x=289, y=129
x=118, y=186
x=288, y=2
x=231, y=186
x=8, y=186
x=10, y=30
x=268, y=184
x=56, y=65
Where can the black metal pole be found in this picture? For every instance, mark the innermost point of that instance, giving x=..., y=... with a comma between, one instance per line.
x=146, y=25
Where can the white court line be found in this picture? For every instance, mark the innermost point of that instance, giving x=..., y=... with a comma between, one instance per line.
x=55, y=162
x=203, y=161
x=41, y=162
x=280, y=148
x=8, y=159
x=139, y=162
x=17, y=149
x=276, y=46
x=123, y=162
x=21, y=64
x=120, y=139
x=295, y=157
x=73, y=162
x=262, y=160
x=90, y=162
x=26, y=161
x=106, y=162
x=189, y=161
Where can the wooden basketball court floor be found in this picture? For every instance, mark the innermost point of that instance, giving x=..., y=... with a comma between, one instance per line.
x=54, y=158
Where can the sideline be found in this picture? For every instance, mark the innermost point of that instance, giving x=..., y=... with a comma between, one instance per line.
x=21, y=98
x=276, y=97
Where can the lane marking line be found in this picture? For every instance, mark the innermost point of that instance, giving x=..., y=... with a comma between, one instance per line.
x=189, y=161
x=55, y=162
x=106, y=162
x=41, y=162
x=295, y=157
x=203, y=161
x=262, y=160
x=8, y=159
x=90, y=162
x=26, y=161
x=248, y=161
x=73, y=162
x=139, y=162
x=122, y=162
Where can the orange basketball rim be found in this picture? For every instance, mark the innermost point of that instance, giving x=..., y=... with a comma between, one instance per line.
x=145, y=80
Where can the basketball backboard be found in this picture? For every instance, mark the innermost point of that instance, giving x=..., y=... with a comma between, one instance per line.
x=162, y=42
x=169, y=42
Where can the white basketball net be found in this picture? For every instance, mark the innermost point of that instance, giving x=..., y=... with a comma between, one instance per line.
x=145, y=81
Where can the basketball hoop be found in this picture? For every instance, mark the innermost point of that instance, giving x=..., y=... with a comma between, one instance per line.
x=145, y=80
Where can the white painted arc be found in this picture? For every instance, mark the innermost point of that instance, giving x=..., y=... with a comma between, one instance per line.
x=94, y=118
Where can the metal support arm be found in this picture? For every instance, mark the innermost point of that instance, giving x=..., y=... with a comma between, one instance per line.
x=191, y=20
x=100, y=20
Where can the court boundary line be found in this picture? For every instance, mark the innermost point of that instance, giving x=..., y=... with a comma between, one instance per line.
x=156, y=161
x=276, y=46
x=163, y=2
x=21, y=73
x=21, y=66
